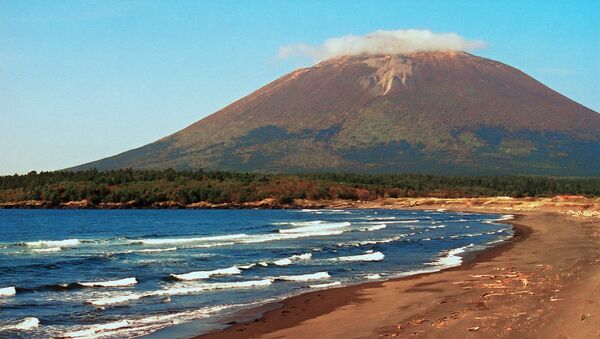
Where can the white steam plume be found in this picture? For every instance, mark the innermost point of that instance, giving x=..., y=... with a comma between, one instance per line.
x=383, y=42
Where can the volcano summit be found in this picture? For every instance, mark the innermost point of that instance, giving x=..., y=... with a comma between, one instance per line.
x=424, y=112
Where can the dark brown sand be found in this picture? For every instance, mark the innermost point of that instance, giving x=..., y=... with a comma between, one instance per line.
x=545, y=282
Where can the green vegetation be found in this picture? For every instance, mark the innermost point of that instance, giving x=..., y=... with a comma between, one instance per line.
x=143, y=188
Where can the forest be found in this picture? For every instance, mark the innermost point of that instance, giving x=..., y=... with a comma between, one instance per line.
x=143, y=188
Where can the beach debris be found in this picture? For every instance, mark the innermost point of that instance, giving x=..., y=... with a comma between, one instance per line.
x=474, y=329
x=584, y=316
x=556, y=299
x=483, y=276
x=417, y=321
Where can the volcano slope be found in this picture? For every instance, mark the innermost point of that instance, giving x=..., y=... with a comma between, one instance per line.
x=429, y=112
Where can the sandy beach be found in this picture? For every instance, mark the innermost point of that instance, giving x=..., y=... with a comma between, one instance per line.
x=545, y=282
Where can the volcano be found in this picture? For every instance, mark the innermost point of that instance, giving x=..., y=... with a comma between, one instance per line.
x=428, y=112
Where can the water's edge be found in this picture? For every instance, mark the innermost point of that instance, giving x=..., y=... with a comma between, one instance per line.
x=232, y=321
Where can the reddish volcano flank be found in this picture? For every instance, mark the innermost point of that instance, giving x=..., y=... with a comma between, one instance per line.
x=433, y=112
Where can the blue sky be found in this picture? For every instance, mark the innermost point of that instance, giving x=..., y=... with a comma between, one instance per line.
x=84, y=80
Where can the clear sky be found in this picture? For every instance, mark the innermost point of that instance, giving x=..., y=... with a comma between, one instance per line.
x=82, y=80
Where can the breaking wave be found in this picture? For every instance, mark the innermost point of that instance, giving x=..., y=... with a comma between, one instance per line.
x=207, y=274
x=304, y=277
x=54, y=243
x=111, y=283
x=25, y=324
x=178, y=291
x=7, y=291
x=375, y=256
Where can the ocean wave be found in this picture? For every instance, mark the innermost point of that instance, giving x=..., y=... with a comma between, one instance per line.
x=293, y=258
x=373, y=228
x=332, y=211
x=54, y=243
x=372, y=242
x=8, y=291
x=96, y=330
x=284, y=234
x=303, y=223
x=161, y=241
x=151, y=250
x=47, y=250
x=436, y=226
x=326, y=285
x=304, y=277
x=373, y=276
x=25, y=324
x=207, y=274
x=504, y=217
x=198, y=288
x=246, y=267
x=380, y=218
x=111, y=283
x=315, y=228
x=375, y=256
x=144, y=325
x=451, y=258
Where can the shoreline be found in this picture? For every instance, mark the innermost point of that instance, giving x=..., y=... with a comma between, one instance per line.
x=323, y=311
x=236, y=324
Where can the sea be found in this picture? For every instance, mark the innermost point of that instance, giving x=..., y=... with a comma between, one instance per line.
x=179, y=273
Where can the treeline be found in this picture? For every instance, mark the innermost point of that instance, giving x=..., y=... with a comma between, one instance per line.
x=146, y=187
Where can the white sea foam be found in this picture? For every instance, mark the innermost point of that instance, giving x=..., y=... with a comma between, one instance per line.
x=305, y=277
x=207, y=274
x=375, y=256
x=310, y=230
x=305, y=223
x=451, y=258
x=293, y=258
x=161, y=241
x=373, y=276
x=333, y=211
x=24, y=324
x=115, y=300
x=436, y=226
x=374, y=227
x=502, y=218
x=111, y=283
x=153, y=250
x=95, y=330
x=419, y=271
x=380, y=218
x=282, y=262
x=54, y=243
x=316, y=228
x=142, y=325
x=47, y=250
x=472, y=235
x=8, y=291
x=178, y=290
x=335, y=283
x=371, y=242
x=245, y=267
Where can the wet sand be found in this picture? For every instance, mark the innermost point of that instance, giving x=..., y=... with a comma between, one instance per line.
x=545, y=282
